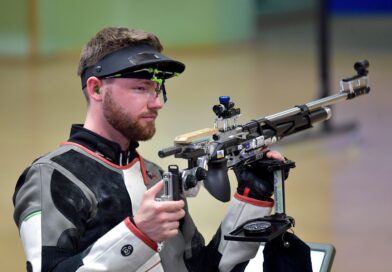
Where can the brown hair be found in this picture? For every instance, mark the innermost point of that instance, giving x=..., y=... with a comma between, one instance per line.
x=111, y=39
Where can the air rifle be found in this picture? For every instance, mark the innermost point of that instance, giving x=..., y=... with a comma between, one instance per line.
x=210, y=152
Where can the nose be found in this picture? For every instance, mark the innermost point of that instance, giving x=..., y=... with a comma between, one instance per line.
x=155, y=103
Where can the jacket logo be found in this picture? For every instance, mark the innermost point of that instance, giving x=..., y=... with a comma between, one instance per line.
x=126, y=250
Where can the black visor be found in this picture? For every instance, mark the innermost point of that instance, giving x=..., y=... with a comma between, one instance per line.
x=140, y=60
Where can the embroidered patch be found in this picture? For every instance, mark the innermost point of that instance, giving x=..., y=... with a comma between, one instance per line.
x=126, y=250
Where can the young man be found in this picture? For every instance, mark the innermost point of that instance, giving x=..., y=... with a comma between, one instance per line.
x=91, y=204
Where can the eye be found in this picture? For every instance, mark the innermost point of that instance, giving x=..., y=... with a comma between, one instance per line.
x=141, y=88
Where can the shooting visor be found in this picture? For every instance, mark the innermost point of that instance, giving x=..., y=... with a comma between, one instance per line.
x=135, y=61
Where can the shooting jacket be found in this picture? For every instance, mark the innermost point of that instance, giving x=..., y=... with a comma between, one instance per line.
x=74, y=209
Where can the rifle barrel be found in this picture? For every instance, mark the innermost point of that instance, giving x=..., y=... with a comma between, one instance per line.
x=323, y=102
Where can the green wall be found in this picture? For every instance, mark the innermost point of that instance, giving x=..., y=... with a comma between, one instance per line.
x=66, y=25
x=13, y=27
x=273, y=7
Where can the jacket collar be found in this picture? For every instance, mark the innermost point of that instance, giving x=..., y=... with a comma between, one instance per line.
x=108, y=149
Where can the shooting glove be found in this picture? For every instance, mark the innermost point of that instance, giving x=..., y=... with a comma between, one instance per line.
x=255, y=181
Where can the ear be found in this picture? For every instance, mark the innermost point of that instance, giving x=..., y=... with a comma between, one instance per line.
x=93, y=86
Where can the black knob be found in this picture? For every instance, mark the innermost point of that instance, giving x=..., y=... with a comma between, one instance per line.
x=190, y=182
x=361, y=67
x=201, y=173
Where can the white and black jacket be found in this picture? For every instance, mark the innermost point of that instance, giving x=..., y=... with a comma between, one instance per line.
x=74, y=209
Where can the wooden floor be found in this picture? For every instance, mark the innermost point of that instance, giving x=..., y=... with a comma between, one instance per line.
x=339, y=193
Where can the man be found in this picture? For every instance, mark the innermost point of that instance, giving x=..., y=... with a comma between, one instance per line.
x=91, y=204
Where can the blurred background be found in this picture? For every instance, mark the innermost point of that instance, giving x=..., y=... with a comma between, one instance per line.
x=267, y=55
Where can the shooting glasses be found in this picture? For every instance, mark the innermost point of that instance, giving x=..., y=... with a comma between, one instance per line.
x=135, y=61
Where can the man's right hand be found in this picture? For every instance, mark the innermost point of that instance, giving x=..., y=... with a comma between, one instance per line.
x=159, y=220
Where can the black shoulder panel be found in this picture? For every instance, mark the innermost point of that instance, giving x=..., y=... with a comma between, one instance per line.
x=69, y=199
x=19, y=183
x=113, y=202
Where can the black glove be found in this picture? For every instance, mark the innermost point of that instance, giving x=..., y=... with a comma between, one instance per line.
x=255, y=181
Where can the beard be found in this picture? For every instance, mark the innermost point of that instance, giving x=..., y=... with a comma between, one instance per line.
x=130, y=128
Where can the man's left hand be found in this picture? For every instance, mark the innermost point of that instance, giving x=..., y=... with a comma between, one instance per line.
x=254, y=180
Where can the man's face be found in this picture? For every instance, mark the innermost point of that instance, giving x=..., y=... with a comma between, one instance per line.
x=131, y=107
